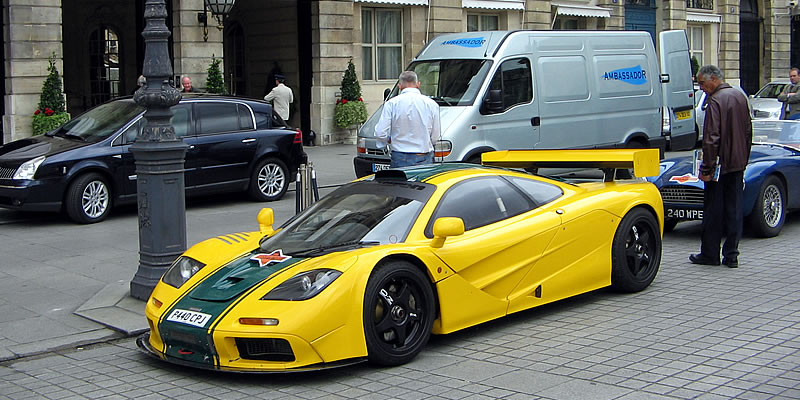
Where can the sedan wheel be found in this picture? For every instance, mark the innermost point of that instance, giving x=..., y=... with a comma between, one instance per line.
x=398, y=313
x=769, y=212
x=635, y=252
x=270, y=180
x=88, y=199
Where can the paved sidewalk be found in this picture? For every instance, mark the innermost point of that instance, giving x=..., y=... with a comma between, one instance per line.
x=63, y=284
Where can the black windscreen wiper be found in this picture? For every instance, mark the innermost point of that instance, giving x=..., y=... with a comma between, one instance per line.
x=70, y=135
x=442, y=99
x=320, y=249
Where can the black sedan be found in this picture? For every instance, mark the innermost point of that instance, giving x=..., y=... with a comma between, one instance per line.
x=85, y=167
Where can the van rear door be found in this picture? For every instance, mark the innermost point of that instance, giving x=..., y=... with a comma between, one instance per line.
x=677, y=91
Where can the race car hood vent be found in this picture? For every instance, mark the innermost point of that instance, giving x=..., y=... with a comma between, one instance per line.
x=391, y=175
x=236, y=278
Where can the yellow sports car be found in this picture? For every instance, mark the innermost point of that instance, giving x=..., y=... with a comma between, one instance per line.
x=370, y=271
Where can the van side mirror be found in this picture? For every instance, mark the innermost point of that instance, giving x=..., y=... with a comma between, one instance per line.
x=493, y=102
x=386, y=93
x=266, y=218
x=445, y=227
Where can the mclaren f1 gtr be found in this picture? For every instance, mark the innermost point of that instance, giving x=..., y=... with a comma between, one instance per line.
x=371, y=270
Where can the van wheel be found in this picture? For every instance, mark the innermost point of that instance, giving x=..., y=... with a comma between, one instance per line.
x=476, y=159
x=88, y=199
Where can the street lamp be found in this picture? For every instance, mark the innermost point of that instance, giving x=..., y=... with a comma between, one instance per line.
x=159, y=156
x=219, y=9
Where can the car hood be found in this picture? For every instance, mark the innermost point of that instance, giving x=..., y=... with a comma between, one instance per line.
x=678, y=171
x=765, y=103
x=23, y=150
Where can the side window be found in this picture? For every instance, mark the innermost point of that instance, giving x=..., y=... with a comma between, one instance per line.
x=129, y=136
x=514, y=81
x=479, y=202
x=245, y=117
x=215, y=117
x=181, y=117
x=541, y=192
x=263, y=120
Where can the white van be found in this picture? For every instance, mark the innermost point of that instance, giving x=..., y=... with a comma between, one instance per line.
x=549, y=89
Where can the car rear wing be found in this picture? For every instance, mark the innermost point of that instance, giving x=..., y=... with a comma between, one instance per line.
x=644, y=162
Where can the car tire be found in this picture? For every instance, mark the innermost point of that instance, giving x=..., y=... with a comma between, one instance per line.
x=769, y=211
x=399, y=311
x=269, y=181
x=669, y=224
x=88, y=199
x=635, y=252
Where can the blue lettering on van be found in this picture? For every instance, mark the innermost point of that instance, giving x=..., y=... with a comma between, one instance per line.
x=634, y=75
x=466, y=42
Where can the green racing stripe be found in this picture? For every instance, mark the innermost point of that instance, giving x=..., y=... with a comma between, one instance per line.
x=187, y=327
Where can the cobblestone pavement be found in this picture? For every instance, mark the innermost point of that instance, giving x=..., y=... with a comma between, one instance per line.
x=698, y=332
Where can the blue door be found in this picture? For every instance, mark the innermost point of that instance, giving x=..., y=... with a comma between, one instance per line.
x=640, y=15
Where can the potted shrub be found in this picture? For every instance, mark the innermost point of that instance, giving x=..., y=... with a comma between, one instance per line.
x=350, y=109
x=215, y=83
x=51, y=112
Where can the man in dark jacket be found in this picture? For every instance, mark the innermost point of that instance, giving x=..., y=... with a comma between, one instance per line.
x=727, y=136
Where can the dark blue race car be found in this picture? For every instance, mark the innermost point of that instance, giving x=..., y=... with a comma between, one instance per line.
x=772, y=181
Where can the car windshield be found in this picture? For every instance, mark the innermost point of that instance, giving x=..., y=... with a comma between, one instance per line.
x=100, y=122
x=361, y=213
x=784, y=132
x=450, y=82
x=770, y=91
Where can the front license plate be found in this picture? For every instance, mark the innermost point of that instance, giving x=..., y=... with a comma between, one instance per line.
x=682, y=213
x=379, y=167
x=683, y=114
x=193, y=318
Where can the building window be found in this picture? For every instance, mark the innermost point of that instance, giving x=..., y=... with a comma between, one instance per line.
x=382, y=43
x=482, y=22
x=104, y=74
x=565, y=24
x=701, y=4
x=696, y=43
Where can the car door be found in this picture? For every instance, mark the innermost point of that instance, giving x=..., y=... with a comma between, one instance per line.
x=513, y=122
x=123, y=164
x=224, y=146
x=505, y=235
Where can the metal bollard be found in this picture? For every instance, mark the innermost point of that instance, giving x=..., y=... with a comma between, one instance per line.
x=306, y=187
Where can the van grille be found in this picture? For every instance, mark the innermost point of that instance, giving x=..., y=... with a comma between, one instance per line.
x=376, y=152
x=6, y=173
x=682, y=194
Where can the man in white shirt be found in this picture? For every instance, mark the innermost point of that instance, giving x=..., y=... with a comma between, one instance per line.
x=410, y=122
x=280, y=96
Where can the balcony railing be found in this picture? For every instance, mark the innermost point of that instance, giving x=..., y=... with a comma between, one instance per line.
x=702, y=4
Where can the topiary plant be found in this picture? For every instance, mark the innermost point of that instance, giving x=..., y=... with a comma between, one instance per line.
x=215, y=83
x=350, y=109
x=51, y=112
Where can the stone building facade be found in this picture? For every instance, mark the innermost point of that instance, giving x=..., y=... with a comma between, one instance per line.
x=98, y=47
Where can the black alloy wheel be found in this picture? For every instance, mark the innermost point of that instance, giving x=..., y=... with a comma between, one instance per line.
x=635, y=252
x=399, y=312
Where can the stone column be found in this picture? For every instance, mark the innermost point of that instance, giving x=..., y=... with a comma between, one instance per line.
x=777, y=29
x=617, y=20
x=729, y=40
x=673, y=15
x=192, y=54
x=538, y=15
x=446, y=17
x=334, y=44
x=32, y=34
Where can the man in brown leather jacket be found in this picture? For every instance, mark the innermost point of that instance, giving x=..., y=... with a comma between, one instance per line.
x=727, y=136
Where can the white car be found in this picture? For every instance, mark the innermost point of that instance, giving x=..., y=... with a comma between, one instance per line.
x=765, y=104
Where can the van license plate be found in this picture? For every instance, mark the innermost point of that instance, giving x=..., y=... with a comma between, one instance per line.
x=683, y=114
x=379, y=167
x=681, y=213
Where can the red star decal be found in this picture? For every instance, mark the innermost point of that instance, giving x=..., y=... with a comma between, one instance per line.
x=267, y=259
x=685, y=178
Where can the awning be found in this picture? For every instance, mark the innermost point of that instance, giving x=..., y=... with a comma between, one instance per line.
x=580, y=10
x=494, y=4
x=397, y=2
x=703, y=17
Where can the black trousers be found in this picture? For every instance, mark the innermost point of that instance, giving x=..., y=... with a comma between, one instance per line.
x=723, y=215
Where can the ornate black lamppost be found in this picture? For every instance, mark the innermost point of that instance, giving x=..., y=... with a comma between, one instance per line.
x=159, y=160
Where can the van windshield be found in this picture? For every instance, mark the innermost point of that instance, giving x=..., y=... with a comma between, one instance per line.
x=450, y=82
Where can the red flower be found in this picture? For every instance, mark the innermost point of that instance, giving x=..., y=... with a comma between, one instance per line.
x=338, y=101
x=48, y=112
x=344, y=101
x=37, y=112
x=360, y=99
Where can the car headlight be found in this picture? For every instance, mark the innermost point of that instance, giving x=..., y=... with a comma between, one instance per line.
x=181, y=271
x=304, y=285
x=28, y=169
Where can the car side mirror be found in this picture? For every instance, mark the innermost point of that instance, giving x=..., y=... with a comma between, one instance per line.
x=386, y=93
x=445, y=227
x=266, y=218
x=493, y=102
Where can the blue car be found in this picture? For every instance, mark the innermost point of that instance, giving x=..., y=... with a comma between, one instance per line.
x=772, y=181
